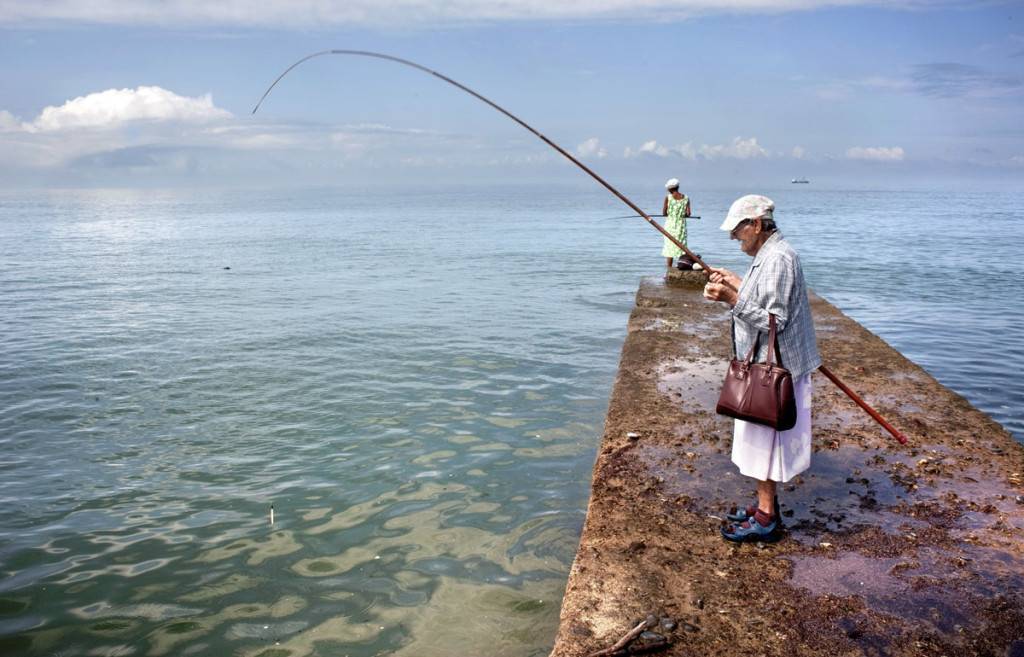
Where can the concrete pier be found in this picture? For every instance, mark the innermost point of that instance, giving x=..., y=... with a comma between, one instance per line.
x=890, y=550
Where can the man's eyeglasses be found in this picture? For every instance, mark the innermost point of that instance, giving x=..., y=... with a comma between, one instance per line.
x=735, y=231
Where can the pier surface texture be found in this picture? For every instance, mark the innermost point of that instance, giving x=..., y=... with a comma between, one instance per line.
x=889, y=549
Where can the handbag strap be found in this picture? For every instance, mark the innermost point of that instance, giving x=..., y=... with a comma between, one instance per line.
x=774, y=352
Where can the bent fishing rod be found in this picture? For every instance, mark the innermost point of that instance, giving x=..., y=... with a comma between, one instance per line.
x=399, y=60
x=632, y=206
x=630, y=216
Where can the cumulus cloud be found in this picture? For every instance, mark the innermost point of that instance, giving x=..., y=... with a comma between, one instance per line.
x=113, y=107
x=877, y=153
x=296, y=13
x=651, y=147
x=154, y=128
x=799, y=152
x=738, y=149
x=8, y=122
x=591, y=148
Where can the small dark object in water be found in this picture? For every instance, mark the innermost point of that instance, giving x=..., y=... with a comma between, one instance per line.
x=227, y=268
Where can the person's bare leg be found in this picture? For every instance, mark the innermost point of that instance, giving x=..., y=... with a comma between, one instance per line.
x=766, y=497
x=668, y=262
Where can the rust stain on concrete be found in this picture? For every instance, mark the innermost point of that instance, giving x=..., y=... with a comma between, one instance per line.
x=890, y=550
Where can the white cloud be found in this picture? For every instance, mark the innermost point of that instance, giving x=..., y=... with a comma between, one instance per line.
x=278, y=13
x=151, y=128
x=8, y=122
x=113, y=121
x=591, y=148
x=651, y=147
x=877, y=153
x=113, y=107
x=740, y=149
x=737, y=149
x=799, y=152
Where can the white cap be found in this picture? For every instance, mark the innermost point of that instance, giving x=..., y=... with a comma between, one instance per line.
x=751, y=206
x=672, y=182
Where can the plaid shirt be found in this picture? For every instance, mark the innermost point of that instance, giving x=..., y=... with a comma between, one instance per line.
x=775, y=284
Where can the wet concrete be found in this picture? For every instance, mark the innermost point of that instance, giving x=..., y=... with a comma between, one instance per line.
x=889, y=549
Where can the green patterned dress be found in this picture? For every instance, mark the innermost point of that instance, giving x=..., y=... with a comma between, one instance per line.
x=675, y=224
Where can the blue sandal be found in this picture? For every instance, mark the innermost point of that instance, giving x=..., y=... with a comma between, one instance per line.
x=743, y=514
x=750, y=531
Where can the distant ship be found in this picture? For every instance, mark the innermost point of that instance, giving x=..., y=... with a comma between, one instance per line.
x=800, y=181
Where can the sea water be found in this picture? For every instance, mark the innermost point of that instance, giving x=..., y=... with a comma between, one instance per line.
x=414, y=381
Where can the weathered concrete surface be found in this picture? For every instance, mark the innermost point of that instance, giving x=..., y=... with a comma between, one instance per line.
x=890, y=550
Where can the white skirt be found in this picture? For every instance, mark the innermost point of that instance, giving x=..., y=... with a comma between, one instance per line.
x=766, y=454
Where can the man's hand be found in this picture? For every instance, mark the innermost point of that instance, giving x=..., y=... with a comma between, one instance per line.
x=720, y=275
x=720, y=292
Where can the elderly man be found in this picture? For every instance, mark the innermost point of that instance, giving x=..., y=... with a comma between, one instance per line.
x=774, y=285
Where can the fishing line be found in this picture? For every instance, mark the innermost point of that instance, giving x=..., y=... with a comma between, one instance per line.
x=406, y=62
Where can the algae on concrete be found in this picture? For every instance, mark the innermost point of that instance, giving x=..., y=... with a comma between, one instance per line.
x=890, y=550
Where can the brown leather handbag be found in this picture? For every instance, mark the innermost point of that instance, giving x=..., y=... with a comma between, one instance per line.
x=759, y=392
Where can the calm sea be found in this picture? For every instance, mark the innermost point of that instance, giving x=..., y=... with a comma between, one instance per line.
x=414, y=382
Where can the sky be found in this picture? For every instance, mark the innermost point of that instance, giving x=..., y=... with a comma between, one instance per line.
x=159, y=93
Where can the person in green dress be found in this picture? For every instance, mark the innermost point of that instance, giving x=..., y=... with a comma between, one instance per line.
x=676, y=209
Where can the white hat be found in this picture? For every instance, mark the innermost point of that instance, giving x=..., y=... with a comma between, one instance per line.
x=751, y=206
x=672, y=182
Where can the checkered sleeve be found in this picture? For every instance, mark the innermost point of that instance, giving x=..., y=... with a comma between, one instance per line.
x=775, y=290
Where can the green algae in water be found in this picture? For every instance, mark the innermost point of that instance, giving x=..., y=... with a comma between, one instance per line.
x=321, y=567
x=182, y=628
x=9, y=607
x=111, y=626
x=527, y=606
x=15, y=645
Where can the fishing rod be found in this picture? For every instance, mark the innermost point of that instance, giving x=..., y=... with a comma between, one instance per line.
x=399, y=60
x=863, y=404
x=632, y=206
x=630, y=216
